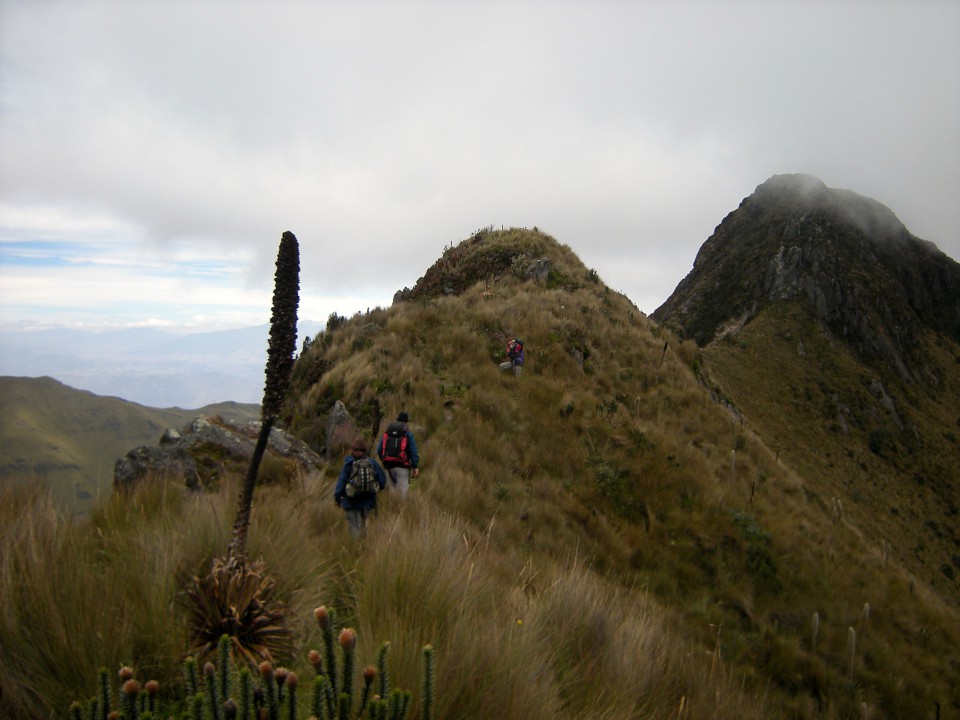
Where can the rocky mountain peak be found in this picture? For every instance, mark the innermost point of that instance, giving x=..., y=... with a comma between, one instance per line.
x=846, y=257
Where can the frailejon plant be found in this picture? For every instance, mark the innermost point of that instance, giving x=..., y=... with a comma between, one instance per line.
x=228, y=691
x=236, y=596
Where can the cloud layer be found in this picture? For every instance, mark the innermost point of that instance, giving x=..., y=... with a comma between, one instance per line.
x=151, y=154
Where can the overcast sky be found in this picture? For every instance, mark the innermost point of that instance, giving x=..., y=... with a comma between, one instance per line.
x=152, y=153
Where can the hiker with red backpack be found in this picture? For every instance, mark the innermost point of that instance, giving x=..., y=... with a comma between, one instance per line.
x=514, y=357
x=399, y=455
x=357, y=486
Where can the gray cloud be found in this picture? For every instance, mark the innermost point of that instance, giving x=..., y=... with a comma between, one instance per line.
x=381, y=132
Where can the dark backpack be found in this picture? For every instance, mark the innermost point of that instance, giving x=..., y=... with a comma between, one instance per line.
x=362, y=478
x=393, y=445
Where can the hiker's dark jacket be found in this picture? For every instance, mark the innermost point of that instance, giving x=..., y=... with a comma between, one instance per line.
x=360, y=501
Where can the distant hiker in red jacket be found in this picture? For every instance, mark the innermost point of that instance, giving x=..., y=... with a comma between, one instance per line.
x=399, y=455
x=514, y=357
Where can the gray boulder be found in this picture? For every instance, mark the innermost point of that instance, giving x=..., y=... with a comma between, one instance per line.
x=163, y=462
x=538, y=270
x=201, y=454
x=341, y=431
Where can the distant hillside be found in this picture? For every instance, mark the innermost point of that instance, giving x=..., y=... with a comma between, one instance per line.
x=836, y=334
x=70, y=439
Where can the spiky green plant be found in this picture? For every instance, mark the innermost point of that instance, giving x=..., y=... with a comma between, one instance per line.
x=428, y=683
x=235, y=598
x=382, y=672
x=327, y=621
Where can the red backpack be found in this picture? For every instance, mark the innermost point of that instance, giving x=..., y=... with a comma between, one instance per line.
x=393, y=445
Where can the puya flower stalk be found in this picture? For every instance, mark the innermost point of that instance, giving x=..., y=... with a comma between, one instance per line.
x=283, y=344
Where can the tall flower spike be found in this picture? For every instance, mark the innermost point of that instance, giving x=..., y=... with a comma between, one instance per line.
x=283, y=344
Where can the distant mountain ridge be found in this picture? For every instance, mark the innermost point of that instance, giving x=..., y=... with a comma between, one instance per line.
x=152, y=367
x=849, y=257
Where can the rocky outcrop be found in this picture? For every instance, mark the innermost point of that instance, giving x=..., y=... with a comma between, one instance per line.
x=847, y=257
x=341, y=431
x=162, y=462
x=201, y=454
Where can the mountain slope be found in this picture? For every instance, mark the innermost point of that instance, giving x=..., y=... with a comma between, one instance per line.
x=836, y=334
x=70, y=439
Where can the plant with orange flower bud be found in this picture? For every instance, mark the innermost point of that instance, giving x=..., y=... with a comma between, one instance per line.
x=268, y=674
x=280, y=677
x=230, y=709
x=151, y=688
x=348, y=643
x=348, y=639
x=323, y=616
x=211, y=690
x=327, y=620
x=130, y=690
x=276, y=687
x=369, y=675
x=291, y=685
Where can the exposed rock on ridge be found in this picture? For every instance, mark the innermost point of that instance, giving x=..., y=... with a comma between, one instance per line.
x=860, y=271
x=205, y=451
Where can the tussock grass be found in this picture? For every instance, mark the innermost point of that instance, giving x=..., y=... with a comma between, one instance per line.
x=78, y=596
